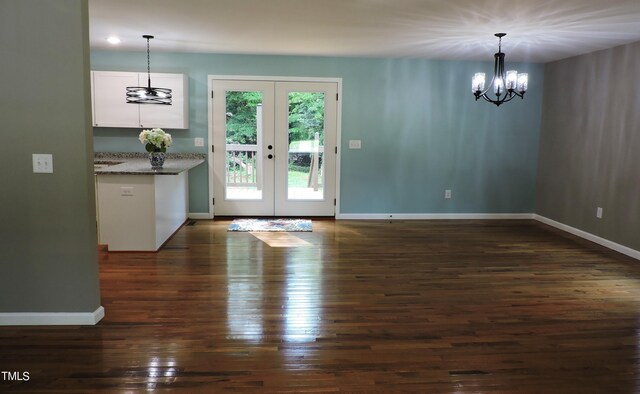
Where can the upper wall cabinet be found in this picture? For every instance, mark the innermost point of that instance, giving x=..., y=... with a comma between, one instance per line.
x=110, y=107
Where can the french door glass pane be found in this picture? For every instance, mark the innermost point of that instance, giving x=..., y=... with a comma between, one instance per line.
x=306, y=146
x=243, y=171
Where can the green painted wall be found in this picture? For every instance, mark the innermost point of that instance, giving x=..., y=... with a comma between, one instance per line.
x=47, y=227
x=421, y=130
x=590, y=144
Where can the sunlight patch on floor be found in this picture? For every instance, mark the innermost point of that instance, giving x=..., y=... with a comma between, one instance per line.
x=281, y=240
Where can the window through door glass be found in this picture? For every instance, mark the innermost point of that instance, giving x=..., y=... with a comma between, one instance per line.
x=305, y=165
x=243, y=163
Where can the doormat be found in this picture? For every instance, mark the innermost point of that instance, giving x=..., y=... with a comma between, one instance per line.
x=259, y=225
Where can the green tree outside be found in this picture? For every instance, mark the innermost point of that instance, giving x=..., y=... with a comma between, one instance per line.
x=306, y=116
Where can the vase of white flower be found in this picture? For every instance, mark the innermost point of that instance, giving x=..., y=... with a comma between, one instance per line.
x=156, y=143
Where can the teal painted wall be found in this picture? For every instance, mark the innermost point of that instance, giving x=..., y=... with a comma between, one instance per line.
x=421, y=130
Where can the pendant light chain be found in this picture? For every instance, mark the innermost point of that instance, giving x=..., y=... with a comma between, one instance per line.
x=148, y=65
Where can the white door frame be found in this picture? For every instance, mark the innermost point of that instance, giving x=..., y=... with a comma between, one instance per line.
x=210, y=81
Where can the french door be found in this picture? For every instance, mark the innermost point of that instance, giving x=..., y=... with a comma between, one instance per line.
x=274, y=147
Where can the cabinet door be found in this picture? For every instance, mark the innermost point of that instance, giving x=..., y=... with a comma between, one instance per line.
x=174, y=116
x=110, y=108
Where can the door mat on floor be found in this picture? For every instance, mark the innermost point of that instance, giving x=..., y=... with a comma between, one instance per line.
x=258, y=225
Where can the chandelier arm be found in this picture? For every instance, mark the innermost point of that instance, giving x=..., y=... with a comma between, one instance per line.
x=487, y=99
x=504, y=99
x=500, y=65
x=490, y=100
x=507, y=99
x=498, y=70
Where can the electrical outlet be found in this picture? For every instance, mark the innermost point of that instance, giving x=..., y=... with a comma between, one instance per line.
x=42, y=163
x=599, y=213
x=126, y=191
x=447, y=193
x=198, y=141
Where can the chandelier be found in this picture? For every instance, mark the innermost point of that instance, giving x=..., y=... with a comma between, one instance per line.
x=506, y=85
x=147, y=94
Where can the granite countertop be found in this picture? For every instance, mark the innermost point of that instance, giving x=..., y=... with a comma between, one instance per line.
x=107, y=163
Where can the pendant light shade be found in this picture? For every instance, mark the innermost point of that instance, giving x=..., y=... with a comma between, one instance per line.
x=148, y=94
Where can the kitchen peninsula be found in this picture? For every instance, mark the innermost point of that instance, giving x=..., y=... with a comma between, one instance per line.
x=139, y=208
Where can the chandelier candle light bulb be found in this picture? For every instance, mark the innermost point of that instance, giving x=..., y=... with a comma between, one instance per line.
x=477, y=83
x=506, y=85
x=512, y=78
x=498, y=86
x=523, y=82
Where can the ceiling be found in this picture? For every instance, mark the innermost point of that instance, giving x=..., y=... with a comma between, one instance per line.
x=538, y=30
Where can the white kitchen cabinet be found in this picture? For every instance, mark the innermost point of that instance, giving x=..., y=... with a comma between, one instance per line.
x=110, y=107
x=108, y=92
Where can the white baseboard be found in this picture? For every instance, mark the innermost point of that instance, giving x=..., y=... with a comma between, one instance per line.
x=432, y=216
x=52, y=318
x=588, y=236
x=197, y=215
x=448, y=216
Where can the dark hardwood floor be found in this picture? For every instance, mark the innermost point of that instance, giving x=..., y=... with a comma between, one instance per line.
x=361, y=306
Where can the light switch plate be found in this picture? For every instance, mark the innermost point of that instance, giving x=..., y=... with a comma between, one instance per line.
x=42, y=163
x=355, y=144
x=126, y=191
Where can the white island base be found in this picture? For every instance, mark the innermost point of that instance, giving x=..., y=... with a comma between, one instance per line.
x=140, y=212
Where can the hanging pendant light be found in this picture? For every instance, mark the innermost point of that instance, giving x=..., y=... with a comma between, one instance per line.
x=147, y=94
x=506, y=85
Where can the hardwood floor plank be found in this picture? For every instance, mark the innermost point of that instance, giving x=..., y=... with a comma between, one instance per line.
x=436, y=306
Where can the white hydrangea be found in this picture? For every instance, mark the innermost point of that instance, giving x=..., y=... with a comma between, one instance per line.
x=167, y=140
x=155, y=139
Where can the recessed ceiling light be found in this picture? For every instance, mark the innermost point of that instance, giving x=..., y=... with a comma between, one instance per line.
x=113, y=40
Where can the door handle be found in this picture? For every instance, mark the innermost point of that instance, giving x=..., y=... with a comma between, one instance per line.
x=270, y=156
